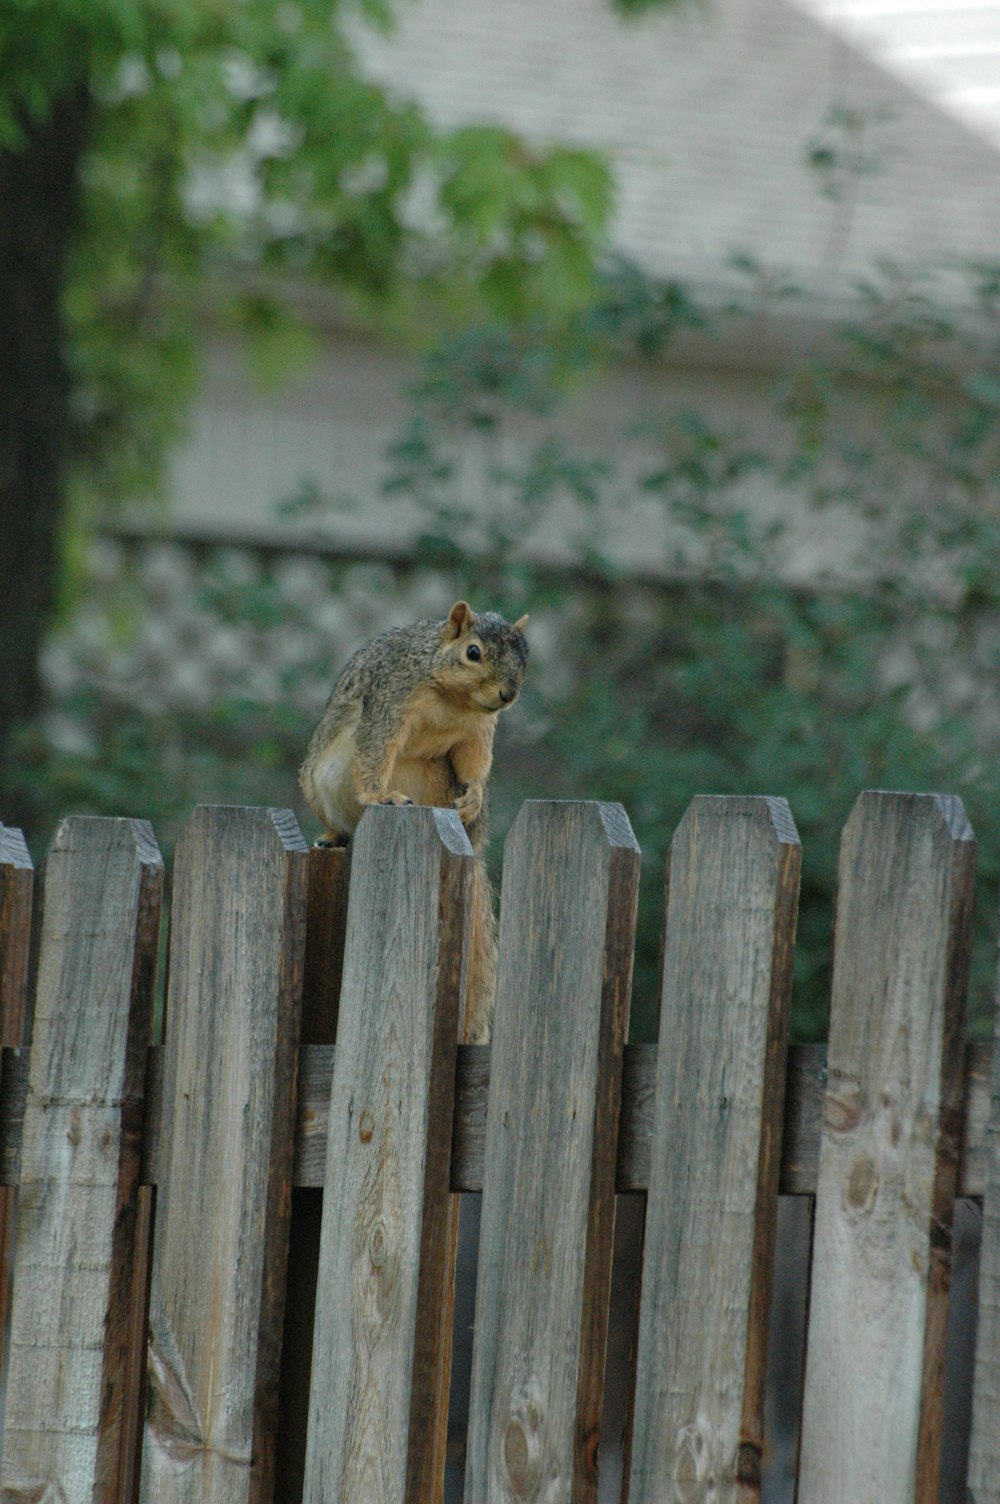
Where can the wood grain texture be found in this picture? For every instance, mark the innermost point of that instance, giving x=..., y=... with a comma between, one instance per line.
x=713, y=1180
x=16, y=897
x=888, y=1152
x=67, y=1410
x=975, y=1158
x=326, y=923
x=378, y=1389
x=984, y=1446
x=16, y=894
x=220, y=1245
x=805, y=1086
x=567, y=922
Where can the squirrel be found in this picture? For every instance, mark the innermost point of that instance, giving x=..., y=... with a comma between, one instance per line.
x=411, y=720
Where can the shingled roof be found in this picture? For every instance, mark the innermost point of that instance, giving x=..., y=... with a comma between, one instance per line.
x=948, y=51
x=734, y=127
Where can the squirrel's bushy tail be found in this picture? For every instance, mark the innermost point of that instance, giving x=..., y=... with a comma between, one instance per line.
x=482, y=958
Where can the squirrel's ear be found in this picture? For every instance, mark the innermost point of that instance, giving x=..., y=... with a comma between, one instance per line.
x=460, y=618
x=521, y=623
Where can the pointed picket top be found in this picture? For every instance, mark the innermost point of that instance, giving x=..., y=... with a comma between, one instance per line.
x=567, y=925
x=378, y=1407
x=888, y=1152
x=231, y=1054
x=732, y=894
x=69, y=1408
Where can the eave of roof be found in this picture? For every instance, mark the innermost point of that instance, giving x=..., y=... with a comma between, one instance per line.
x=709, y=116
x=949, y=53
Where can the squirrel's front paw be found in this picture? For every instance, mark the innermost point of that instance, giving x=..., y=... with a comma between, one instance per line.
x=469, y=802
x=395, y=797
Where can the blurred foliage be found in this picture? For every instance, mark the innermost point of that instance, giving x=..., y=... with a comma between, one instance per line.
x=233, y=148
x=709, y=673
x=728, y=680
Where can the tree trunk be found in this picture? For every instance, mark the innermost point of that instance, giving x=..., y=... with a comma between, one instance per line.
x=38, y=203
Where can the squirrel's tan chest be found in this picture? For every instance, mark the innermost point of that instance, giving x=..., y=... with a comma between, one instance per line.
x=422, y=769
x=432, y=727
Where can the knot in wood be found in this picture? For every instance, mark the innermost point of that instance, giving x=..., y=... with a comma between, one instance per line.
x=366, y=1127
x=377, y=1245
x=842, y=1109
x=522, y=1449
x=590, y=1449
x=892, y=1115
x=860, y=1186
x=748, y=1465
x=693, y=1480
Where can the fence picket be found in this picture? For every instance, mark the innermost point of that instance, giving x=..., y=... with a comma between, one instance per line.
x=888, y=1152
x=730, y=924
x=303, y=1190
x=16, y=888
x=221, y=1224
x=67, y=1417
x=570, y=887
x=377, y=1401
x=326, y=919
x=16, y=894
x=984, y=1446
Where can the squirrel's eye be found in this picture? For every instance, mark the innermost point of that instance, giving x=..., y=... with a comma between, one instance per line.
x=474, y=653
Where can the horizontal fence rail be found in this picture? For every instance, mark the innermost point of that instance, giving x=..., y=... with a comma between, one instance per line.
x=229, y=1255
x=805, y=1090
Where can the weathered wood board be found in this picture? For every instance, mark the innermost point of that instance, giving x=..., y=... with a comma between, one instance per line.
x=888, y=1154
x=16, y=897
x=223, y=1197
x=570, y=886
x=16, y=894
x=379, y=1389
x=326, y=921
x=326, y=918
x=805, y=1085
x=67, y=1417
x=984, y=1446
x=888, y=1125
x=713, y=1181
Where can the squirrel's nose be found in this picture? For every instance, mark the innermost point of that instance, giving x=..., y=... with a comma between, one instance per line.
x=507, y=695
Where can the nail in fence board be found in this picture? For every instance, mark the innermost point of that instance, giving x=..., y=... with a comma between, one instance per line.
x=710, y=1218
x=221, y=1224
x=570, y=885
x=984, y=1448
x=67, y=1410
x=888, y=1153
x=376, y=1416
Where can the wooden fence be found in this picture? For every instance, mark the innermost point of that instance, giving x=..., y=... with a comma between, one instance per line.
x=188, y=1318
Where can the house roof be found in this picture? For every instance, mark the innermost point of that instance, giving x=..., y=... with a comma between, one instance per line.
x=948, y=52
x=735, y=128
